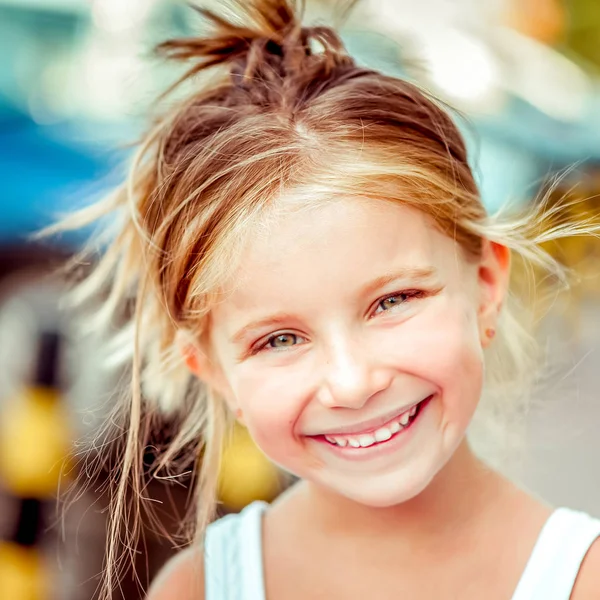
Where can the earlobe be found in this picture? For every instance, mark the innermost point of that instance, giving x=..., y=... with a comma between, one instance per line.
x=199, y=363
x=494, y=274
x=195, y=360
x=239, y=415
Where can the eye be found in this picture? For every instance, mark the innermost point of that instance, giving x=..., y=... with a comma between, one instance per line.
x=397, y=299
x=281, y=341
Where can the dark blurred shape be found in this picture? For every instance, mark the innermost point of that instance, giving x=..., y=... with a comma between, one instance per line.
x=29, y=524
x=46, y=374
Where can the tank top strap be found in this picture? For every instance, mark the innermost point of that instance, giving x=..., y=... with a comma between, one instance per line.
x=233, y=561
x=557, y=556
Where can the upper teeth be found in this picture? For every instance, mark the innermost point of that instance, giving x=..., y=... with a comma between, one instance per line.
x=380, y=435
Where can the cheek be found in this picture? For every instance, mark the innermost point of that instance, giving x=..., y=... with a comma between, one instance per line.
x=457, y=358
x=442, y=346
x=455, y=349
x=271, y=402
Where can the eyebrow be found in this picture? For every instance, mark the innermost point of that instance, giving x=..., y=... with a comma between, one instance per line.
x=414, y=275
x=272, y=320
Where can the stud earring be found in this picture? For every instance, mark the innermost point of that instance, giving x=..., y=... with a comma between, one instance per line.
x=490, y=333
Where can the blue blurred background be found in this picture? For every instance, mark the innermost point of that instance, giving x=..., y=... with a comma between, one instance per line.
x=75, y=80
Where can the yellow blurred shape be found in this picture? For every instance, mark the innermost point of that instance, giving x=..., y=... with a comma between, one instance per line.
x=23, y=573
x=246, y=474
x=543, y=20
x=35, y=440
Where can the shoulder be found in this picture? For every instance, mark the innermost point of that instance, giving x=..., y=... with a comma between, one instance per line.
x=182, y=578
x=587, y=585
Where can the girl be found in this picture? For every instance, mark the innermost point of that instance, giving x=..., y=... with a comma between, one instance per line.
x=306, y=250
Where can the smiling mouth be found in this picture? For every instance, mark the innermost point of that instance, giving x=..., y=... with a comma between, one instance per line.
x=383, y=434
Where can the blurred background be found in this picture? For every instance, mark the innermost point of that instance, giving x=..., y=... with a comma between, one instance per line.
x=75, y=80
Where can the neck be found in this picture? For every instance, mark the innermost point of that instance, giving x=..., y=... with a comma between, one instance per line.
x=460, y=493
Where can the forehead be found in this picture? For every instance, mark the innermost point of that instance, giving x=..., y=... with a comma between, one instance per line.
x=305, y=251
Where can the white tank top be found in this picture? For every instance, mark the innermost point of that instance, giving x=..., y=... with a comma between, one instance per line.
x=234, y=567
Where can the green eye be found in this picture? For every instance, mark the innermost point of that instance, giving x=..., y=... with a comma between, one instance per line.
x=283, y=340
x=390, y=302
x=398, y=299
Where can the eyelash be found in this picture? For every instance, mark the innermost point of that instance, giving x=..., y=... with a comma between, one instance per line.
x=407, y=295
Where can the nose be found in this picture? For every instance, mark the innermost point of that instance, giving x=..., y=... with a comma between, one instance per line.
x=351, y=376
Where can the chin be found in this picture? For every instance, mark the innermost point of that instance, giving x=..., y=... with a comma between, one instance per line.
x=382, y=492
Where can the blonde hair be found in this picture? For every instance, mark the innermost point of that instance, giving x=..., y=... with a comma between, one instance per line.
x=287, y=108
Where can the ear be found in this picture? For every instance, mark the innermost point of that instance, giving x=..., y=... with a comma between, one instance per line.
x=200, y=364
x=493, y=278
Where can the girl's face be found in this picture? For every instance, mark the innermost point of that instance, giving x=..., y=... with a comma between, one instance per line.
x=352, y=345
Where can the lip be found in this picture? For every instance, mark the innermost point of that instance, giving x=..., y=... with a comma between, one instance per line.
x=369, y=426
x=382, y=449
